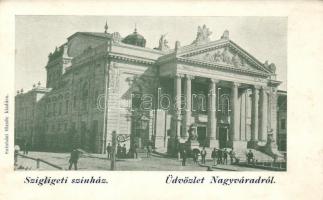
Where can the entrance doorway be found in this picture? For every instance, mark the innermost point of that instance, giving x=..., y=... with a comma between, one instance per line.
x=201, y=135
x=223, y=137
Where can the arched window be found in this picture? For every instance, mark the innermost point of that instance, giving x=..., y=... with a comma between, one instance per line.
x=85, y=94
x=225, y=104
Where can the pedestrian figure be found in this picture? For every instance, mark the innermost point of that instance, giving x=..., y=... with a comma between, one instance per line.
x=109, y=150
x=184, y=155
x=26, y=148
x=219, y=155
x=225, y=157
x=148, y=151
x=124, y=151
x=119, y=151
x=195, y=157
x=214, y=155
x=203, y=154
x=75, y=154
x=250, y=157
x=135, y=154
x=17, y=149
x=232, y=155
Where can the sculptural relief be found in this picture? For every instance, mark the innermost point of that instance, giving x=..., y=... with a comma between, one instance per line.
x=218, y=57
x=236, y=61
x=192, y=133
x=226, y=57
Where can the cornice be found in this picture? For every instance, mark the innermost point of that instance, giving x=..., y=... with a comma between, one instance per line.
x=220, y=66
x=131, y=59
x=145, y=49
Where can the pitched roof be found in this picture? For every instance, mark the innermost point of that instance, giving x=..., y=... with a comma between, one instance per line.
x=95, y=34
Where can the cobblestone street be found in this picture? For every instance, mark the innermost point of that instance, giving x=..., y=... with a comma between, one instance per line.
x=99, y=162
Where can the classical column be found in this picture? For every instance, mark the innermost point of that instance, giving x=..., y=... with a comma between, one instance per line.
x=234, y=112
x=264, y=114
x=243, y=115
x=273, y=113
x=178, y=91
x=212, y=122
x=254, y=114
x=188, y=98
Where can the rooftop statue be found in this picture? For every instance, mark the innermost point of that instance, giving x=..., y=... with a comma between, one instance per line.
x=163, y=43
x=203, y=35
x=272, y=67
x=116, y=37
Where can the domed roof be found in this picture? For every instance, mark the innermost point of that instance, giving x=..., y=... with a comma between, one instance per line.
x=135, y=39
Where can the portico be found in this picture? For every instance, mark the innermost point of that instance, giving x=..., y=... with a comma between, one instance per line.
x=234, y=87
x=234, y=116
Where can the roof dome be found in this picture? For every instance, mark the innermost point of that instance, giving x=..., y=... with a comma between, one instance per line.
x=135, y=39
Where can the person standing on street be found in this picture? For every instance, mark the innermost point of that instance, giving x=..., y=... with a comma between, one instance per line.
x=219, y=155
x=17, y=149
x=232, y=155
x=250, y=157
x=203, y=154
x=119, y=154
x=26, y=148
x=148, y=151
x=124, y=151
x=135, y=154
x=184, y=155
x=75, y=154
x=195, y=157
x=213, y=155
x=109, y=151
x=225, y=157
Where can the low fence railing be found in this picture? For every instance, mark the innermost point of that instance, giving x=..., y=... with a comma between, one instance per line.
x=38, y=161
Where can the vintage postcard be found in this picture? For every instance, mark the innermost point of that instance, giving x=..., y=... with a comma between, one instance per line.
x=145, y=101
x=126, y=100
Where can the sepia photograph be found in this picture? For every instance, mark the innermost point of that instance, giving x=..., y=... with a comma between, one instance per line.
x=150, y=93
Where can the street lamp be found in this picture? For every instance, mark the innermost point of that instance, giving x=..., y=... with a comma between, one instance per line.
x=143, y=125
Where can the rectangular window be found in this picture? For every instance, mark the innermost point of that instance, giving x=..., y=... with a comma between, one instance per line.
x=283, y=124
x=54, y=109
x=74, y=102
x=136, y=100
x=60, y=109
x=66, y=106
x=96, y=95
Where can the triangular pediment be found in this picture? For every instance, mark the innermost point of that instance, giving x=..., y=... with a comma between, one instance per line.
x=224, y=53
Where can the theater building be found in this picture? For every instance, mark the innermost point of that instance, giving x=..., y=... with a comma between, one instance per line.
x=210, y=93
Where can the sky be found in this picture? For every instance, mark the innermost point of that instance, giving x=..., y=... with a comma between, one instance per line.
x=36, y=36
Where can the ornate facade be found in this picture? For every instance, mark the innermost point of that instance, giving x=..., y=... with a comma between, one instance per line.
x=208, y=93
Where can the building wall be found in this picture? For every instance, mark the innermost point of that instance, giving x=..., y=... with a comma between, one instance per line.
x=26, y=110
x=282, y=121
x=125, y=80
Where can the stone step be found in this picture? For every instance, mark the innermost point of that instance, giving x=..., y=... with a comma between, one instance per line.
x=258, y=156
x=242, y=155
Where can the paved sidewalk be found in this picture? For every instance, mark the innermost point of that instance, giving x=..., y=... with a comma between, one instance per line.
x=100, y=162
x=228, y=167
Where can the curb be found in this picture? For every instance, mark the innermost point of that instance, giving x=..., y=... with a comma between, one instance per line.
x=215, y=167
